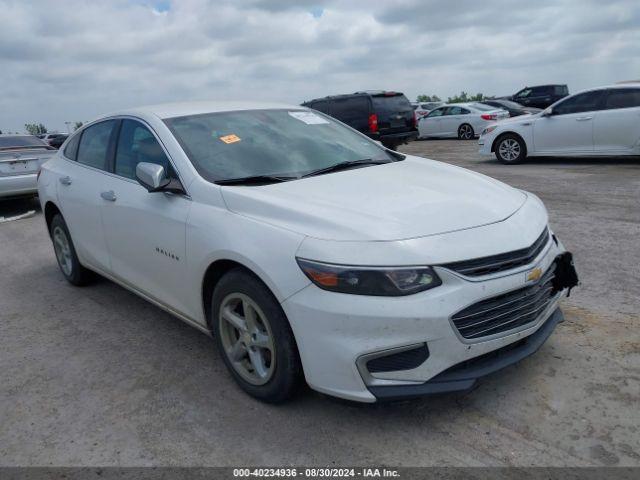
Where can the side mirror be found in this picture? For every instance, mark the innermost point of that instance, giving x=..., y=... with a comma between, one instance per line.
x=548, y=112
x=151, y=176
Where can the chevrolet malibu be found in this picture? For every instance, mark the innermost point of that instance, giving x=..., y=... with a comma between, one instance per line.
x=307, y=250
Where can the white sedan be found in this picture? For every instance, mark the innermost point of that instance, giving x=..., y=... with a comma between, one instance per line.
x=459, y=120
x=602, y=121
x=307, y=250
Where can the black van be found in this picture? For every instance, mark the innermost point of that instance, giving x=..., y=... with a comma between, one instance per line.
x=384, y=116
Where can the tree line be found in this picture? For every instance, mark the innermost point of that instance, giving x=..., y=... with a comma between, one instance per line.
x=463, y=97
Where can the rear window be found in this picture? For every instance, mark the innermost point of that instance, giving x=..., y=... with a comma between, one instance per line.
x=623, y=98
x=21, y=141
x=482, y=107
x=391, y=104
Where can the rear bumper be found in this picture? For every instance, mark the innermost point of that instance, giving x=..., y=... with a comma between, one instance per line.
x=402, y=137
x=463, y=376
x=18, y=185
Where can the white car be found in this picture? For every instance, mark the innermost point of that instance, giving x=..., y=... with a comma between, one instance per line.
x=20, y=159
x=423, y=108
x=306, y=249
x=459, y=120
x=602, y=121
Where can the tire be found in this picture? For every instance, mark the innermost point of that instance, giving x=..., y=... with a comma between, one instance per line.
x=510, y=149
x=465, y=132
x=66, y=255
x=261, y=353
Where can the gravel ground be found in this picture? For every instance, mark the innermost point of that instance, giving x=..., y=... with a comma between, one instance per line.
x=96, y=376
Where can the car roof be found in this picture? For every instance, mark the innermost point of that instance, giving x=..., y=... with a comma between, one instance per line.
x=171, y=110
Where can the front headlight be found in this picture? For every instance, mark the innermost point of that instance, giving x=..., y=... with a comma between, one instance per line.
x=489, y=129
x=378, y=281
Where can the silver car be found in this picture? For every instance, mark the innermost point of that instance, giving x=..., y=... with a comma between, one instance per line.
x=20, y=159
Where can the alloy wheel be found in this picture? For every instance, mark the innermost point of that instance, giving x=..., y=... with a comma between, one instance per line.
x=63, y=250
x=247, y=338
x=509, y=150
x=466, y=132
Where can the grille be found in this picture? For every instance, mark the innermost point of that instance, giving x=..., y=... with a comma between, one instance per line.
x=399, y=361
x=503, y=261
x=507, y=311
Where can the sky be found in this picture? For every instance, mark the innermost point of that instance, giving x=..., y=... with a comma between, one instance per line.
x=74, y=60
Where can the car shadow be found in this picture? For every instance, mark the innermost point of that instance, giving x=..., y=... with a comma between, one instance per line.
x=16, y=208
x=577, y=161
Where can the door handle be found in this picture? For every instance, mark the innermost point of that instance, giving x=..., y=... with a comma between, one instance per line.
x=65, y=180
x=110, y=196
x=583, y=119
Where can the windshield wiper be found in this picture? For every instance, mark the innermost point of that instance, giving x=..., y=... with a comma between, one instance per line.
x=255, y=180
x=345, y=166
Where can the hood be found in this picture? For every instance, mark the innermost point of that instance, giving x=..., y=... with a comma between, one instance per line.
x=400, y=200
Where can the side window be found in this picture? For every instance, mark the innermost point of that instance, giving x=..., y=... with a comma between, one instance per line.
x=454, y=111
x=321, y=106
x=540, y=91
x=523, y=93
x=623, y=98
x=94, y=144
x=350, y=109
x=464, y=111
x=137, y=144
x=71, y=150
x=583, y=102
x=438, y=112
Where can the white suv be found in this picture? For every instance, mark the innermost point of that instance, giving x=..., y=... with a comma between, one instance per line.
x=306, y=248
x=602, y=121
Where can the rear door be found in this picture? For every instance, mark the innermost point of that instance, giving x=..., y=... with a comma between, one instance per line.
x=395, y=113
x=79, y=192
x=453, y=118
x=617, y=126
x=570, y=129
x=145, y=232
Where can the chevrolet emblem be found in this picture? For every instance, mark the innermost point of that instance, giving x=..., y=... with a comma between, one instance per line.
x=534, y=274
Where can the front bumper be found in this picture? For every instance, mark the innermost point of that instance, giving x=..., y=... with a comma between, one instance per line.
x=18, y=185
x=464, y=376
x=335, y=331
x=485, y=142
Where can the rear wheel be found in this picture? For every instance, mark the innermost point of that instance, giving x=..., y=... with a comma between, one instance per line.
x=66, y=255
x=465, y=132
x=254, y=337
x=510, y=149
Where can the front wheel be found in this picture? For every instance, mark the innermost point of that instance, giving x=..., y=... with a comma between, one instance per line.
x=510, y=149
x=254, y=337
x=465, y=132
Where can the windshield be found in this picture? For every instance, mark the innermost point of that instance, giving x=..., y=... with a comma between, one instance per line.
x=284, y=143
x=390, y=104
x=21, y=141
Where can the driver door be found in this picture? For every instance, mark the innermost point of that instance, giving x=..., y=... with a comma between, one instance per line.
x=145, y=232
x=569, y=129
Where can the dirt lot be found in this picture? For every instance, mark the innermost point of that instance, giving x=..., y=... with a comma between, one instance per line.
x=97, y=376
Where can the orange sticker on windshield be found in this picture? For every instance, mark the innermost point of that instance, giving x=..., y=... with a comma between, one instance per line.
x=230, y=138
